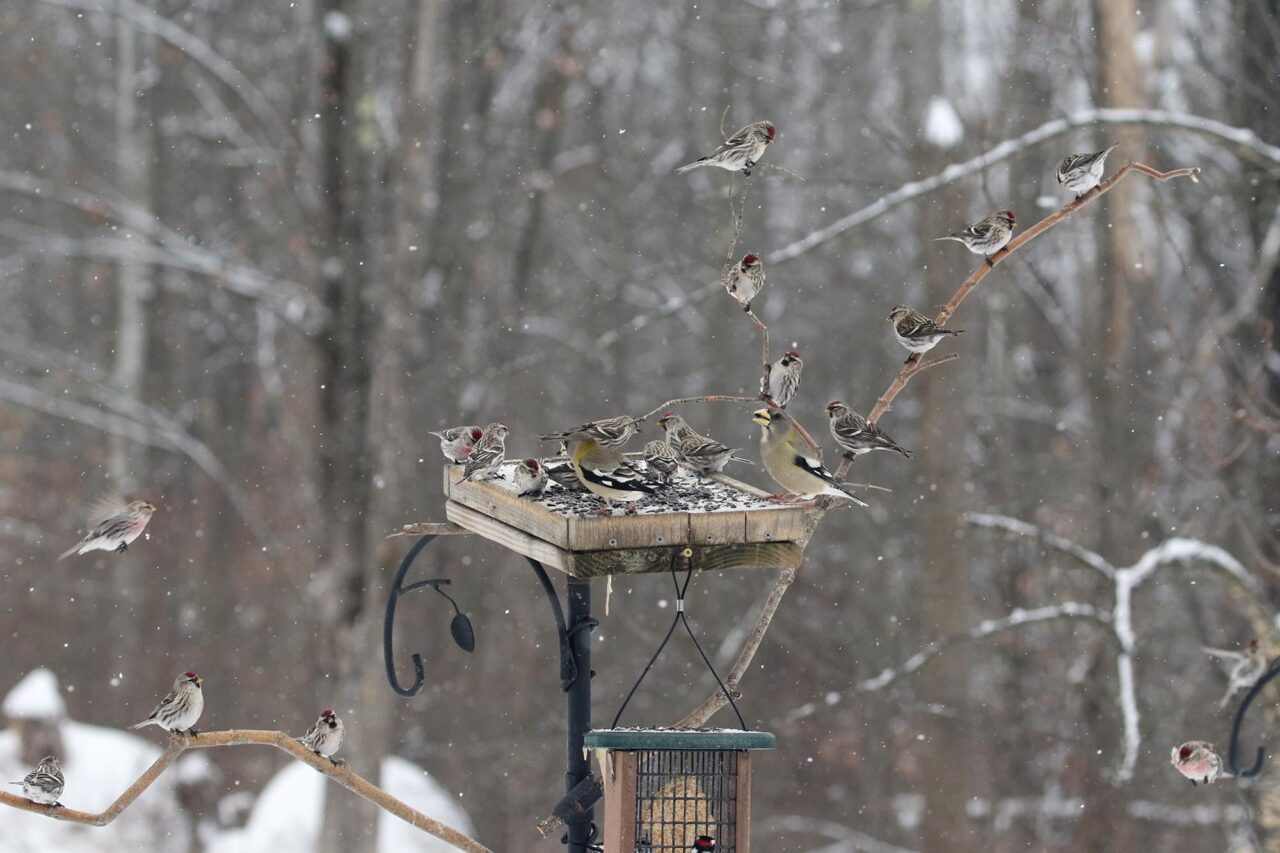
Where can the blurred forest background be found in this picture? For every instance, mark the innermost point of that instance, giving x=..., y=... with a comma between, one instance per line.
x=251, y=251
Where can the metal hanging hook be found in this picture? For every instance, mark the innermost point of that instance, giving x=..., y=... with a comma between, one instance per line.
x=461, y=628
x=1235, y=729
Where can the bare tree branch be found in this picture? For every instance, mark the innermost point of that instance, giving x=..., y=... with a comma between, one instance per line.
x=179, y=744
x=1091, y=559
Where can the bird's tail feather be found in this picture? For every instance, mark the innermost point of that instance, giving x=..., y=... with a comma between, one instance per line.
x=72, y=550
x=948, y=237
x=848, y=492
x=691, y=166
x=149, y=721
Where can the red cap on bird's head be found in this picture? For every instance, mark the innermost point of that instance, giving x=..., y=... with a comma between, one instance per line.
x=477, y=434
x=531, y=464
x=750, y=259
x=832, y=405
x=704, y=842
x=770, y=131
x=327, y=713
x=1184, y=753
x=1008, y=213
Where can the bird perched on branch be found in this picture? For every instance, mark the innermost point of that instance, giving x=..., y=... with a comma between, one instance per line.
x=324, y=738
x=610, y=432
x=1246, y=668
x=784, y=378
x=116, y=525
x=1080, y=173
x=915, y=331
x=740, y=151
x=530, y=478
x=606, y=472
x=744, y=280
x=43, y=785
x=1196, y=760
x=857, y=435
x=661, y=461
x=986, y=236
x=456, y=443
x=787, y=459
x=488, y=454
x=705, y=455
x=181, y=707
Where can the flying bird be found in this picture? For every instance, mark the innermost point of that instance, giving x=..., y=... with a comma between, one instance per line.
x=116, y=524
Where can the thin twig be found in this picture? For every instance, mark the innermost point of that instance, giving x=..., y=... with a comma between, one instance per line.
x=783, y=169
x=706, y=398
x=179, y=744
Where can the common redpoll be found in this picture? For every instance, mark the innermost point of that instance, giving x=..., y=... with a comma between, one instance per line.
x=325, y=737
x=784, y=378
x=661, y=460
x=740, y=151
x=606, y=472
x=915, y=331
x=1196, y=760
x=987, y=236
x=181, y=707
x=744, y=280
x=703, y=844
x=488, y=454
x=1246, y=668
x=857, y=435
x=1082, y=172
x=116, y=525
x=787, y=459
x=456, y=443
x=610, y=432
x=43, y=785
x=530, y=478
x=705, y=455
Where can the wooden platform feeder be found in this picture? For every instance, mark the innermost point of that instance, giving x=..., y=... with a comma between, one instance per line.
x=726, y=525
x=664, y=788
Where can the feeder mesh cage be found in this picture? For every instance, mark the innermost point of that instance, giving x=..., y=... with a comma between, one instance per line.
x=684, y=793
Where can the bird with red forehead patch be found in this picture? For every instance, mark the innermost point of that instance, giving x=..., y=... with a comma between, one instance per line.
x=115, y=524
x=704, y=843
x=1244, y=668
x=744, y=280
x=530, y=478
x=739, y=152
x=986, y=236
x=325, y=736
x=456, y=443
x=784, y=378
x=1197, y=761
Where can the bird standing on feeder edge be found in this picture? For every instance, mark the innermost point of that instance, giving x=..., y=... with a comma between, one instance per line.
x=789, y=463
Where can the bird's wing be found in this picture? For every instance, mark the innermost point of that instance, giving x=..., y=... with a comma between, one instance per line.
x=104, y=508
x=814, y=467
x=619, y=476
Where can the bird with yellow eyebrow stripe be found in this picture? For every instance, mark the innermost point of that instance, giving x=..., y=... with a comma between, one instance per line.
x=790, y=462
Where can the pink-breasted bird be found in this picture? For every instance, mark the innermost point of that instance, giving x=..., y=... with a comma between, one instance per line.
x=457, y=442
x=181, y=707
x=784, y=378
x=115, y=525
x=744, y=280
x=740, y=151
x=43, y=786
x=488, y=454
x=986, y=236
x=1196, y=760
x=325, y=736
x=857, y=435
x=1245, y=668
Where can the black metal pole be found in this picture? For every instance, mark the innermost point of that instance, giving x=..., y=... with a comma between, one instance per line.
x=579, y=705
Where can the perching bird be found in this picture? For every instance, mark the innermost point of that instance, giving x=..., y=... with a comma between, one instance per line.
x=1196, y=760
x=703, y=844
x=181, y=707
x=1246, y=668
x=325, y=737
x=661, y=461
x=488, y=454
x=744, y=280
x=705, y=455
x=740, y=151
x=784, y=378
x=456, y=443
x=116, y=525
x=43, y=785
x=790, y=463
x=530, y=478
x=606, y=472
x=610, y=432
x=857, y=435
x=915, y=331
x=986, y=236
x=1082, y=172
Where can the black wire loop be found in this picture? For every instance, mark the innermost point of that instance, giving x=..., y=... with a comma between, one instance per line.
x=398, y=589
x=1235, y=729
x=680, y=617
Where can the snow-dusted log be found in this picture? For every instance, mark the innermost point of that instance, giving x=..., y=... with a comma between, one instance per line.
x=179, y=744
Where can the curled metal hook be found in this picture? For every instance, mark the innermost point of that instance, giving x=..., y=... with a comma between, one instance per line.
x=463, y=634
x=1235, y=729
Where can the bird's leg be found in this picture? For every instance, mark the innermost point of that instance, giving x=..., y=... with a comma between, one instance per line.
x=337, y=762
x=604, y=509
x=990, y=262
x=1193, y=782
x=192, y=733
x=746, y=169
x=122, y=547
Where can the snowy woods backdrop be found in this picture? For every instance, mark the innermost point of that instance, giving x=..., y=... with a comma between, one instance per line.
x=251, y=251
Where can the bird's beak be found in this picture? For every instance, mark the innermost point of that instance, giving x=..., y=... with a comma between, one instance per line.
x=199, y=681
x=762, y=417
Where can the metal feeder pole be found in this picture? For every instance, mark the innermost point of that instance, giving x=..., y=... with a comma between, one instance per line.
x=578, y=705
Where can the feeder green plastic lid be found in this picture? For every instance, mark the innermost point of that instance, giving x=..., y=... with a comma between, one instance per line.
x=634, y=739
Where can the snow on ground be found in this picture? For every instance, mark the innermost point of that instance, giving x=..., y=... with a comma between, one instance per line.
x=289, y=812
x=35, y=697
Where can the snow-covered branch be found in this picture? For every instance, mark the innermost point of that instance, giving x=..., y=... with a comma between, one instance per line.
x=1022, y=528
x=179, y=744
x=986, y=628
